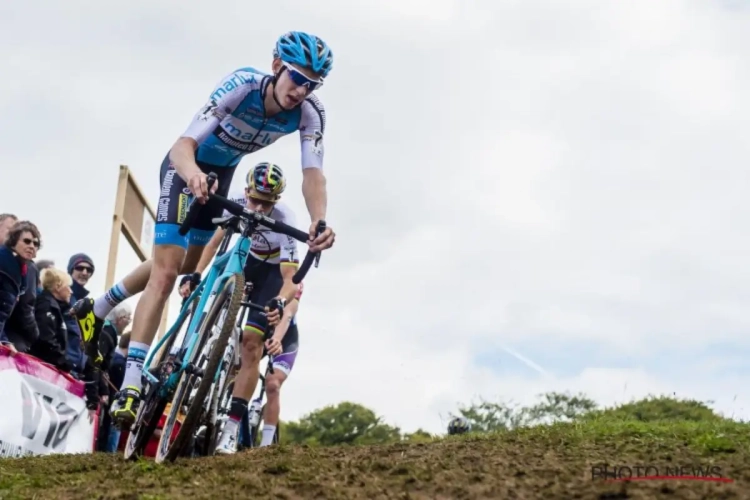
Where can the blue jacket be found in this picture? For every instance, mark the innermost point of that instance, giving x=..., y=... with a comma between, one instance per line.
x=12, y=284
x=21, y=328
x=74, y=350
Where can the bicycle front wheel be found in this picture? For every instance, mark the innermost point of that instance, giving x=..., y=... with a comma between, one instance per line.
x=222, y=315
x=153, y=405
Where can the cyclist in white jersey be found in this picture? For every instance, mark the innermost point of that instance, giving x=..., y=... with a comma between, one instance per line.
x=270, y=267
x=247, y=111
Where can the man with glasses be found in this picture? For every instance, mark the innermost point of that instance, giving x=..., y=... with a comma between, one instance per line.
x=81, y=269
x=246, y=112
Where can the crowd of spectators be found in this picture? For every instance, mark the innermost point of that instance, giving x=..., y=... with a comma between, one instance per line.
x=35, y=318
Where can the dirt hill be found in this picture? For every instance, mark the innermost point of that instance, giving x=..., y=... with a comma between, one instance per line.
x=562, y=461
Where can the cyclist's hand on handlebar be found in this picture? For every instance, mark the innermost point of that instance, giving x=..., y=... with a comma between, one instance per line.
x=274, y=311
x=273, y=347
x=323, y=241
x=188, y=284
x=198, y=185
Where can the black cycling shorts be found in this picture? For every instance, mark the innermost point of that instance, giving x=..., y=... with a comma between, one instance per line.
x=174, y=198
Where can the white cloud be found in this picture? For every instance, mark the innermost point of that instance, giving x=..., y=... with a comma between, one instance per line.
x=499, y=174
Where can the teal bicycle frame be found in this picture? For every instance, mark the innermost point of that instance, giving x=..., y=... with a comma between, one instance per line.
x=223, y=267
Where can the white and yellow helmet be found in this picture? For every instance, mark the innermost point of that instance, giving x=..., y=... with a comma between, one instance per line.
x=267, y=179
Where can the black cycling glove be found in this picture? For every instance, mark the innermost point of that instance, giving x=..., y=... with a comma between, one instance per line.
x=193, y=278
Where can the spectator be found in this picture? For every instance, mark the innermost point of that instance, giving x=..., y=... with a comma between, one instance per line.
x=109, y=435
x=7, y=221
x=80, y=268
x=41, y=265
x=21, y=328
x=115, y=323
x=21, y=243
x=51, y=305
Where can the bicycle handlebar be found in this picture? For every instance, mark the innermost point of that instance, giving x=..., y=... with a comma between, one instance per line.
x=309, y=257
x=257, y=218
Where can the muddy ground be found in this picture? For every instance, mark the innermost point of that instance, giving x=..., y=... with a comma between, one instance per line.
x=543, y=463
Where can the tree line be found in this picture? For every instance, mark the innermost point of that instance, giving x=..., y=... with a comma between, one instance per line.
x=354, y=424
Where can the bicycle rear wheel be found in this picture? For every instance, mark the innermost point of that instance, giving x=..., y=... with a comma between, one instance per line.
x=228, y=301
x=152, y=407
x=218, y=402
x=256, y=431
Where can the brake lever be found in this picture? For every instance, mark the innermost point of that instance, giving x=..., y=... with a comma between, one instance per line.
x=318, y=231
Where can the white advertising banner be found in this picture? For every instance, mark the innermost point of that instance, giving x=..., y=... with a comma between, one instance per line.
x=43, y=410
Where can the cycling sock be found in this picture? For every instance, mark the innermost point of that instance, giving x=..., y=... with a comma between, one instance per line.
x=238, y=408
x=268, y=433
x=104, y=304
x=134, y=365
x=236, y=411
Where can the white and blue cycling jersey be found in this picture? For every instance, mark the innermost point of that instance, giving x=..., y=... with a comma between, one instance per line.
x=232, y=124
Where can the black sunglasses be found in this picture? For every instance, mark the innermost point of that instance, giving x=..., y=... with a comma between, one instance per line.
x=29, y=241
x=84, y=268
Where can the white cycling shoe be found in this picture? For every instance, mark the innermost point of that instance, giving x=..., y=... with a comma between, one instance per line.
x=227, y=444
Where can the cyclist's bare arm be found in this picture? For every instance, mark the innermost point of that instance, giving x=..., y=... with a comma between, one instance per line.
x=312, y=131
x=288, y=289
x=289, y=311
x=182, y=156
x=314, y=192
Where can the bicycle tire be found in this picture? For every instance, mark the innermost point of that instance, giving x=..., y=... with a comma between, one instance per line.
x=226, y=405
x=185, y=434
x=254, y=434
x=216, y=403
x=153, y=406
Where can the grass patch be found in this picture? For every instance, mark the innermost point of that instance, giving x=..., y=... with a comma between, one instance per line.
x=545, y=461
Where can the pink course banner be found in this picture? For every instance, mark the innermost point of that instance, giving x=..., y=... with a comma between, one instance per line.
x=44, y=409
x=29, y=365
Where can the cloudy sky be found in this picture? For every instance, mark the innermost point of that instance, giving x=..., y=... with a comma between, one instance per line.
x=529, y=195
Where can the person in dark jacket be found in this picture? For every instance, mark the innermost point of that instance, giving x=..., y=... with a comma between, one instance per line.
x=21, y=328
x=116, y=376
x=80, y=268
x=20, y=246
x=109, y=435
x=117, y=320
x=51, y=305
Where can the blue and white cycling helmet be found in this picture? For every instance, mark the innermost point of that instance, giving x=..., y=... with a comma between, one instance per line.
x=459, y=425
x=308, y=51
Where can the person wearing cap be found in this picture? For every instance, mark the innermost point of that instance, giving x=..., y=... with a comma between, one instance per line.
x=81, y=269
